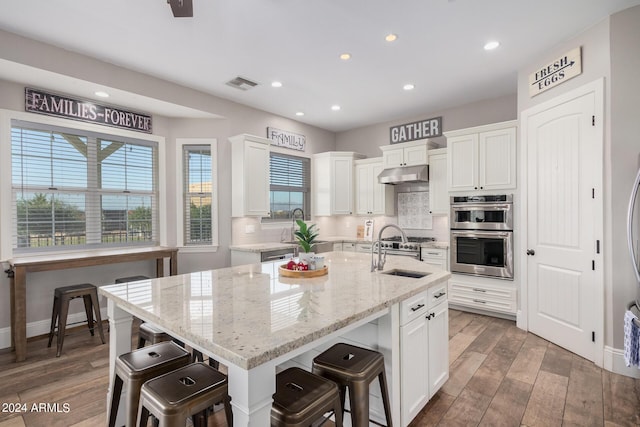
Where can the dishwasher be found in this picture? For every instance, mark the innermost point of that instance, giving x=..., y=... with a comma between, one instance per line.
x=275, y=254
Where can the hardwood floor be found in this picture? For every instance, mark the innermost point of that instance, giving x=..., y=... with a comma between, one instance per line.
x=500, y=376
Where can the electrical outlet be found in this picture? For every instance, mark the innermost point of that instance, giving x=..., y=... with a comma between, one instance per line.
x=250, y=228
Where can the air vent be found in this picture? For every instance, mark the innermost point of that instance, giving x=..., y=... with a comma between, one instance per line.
x=241, y=83
x=181, y=8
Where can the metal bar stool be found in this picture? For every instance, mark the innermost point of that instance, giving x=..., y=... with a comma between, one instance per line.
x=61, y=298
x=139, y=366
x=185, y=392
x=302, y=398
x=355, y=367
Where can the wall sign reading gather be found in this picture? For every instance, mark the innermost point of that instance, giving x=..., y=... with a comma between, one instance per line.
x=428, y=128
x=85, y=111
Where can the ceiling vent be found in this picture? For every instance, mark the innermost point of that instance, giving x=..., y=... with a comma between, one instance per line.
x=241, y=83
x=181, y=8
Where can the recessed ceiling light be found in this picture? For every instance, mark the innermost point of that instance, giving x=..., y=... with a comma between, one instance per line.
x=408, y=86
x=335, y=107
x=345, y=56
x=391, y=37
x=491, y=45
x=276, y=84
x=101, y=94
x=299, y=114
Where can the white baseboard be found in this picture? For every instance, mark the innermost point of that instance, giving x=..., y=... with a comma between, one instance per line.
x=41, y=327
x=614, y=362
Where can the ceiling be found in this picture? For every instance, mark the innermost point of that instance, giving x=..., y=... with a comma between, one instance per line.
x=439, y=49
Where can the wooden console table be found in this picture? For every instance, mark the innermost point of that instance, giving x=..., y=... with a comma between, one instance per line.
x=20, y=267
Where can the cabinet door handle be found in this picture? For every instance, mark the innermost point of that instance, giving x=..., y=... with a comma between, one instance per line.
x=441, y=294
x=479, y=301
x=417, y=307
x=479, y=290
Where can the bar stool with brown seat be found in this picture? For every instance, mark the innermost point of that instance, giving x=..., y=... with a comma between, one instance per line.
x=61, y=298
x=302, y=398
x=134, y=368
x=185, y=392
x=355, y=368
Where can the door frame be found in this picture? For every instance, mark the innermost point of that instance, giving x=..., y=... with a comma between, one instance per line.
x=596, y=87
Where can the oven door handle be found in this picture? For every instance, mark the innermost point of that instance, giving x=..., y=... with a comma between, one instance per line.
x=487, y=207
x=477, y=233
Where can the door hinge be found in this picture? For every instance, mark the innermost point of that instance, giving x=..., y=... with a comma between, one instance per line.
x=593, y=264
x=597, y=246
x=593, y=120
x=593, y=336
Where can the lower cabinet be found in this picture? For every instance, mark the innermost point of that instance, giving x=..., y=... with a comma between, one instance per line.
x=491, y=295
x=424, y=348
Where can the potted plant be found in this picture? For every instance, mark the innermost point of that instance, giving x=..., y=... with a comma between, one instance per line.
x=306, y=237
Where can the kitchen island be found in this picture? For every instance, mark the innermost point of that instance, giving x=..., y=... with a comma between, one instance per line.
x=252, y=320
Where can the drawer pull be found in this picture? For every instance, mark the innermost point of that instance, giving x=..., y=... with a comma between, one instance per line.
x=438, y=295
x=479, y=301
x=479, y=290
x=417, y=307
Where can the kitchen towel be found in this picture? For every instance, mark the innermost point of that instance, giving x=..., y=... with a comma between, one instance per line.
x=631, y=340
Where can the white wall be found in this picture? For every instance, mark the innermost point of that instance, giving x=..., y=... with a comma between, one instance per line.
x=235, y=119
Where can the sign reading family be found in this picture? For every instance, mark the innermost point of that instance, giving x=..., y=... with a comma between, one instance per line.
x=85, y=111
x=428, y=128
x=558, y=71
x=283, y=138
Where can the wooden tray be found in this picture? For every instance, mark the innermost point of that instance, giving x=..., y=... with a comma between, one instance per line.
x=302, y=274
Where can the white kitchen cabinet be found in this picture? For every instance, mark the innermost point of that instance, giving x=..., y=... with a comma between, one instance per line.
x=484, y=294
x=348, y=246
x=406, y=154
x=364, y=247
x=372, y=198
x=438, y=191
x=424, y=349
x=337, y=246
x=482, y=158
x=437, y=257
x=333, y=182
x=249, y=176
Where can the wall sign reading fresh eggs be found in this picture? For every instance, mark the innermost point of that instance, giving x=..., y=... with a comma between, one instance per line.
x=428, y=128
x=85, y=111
x=558, y=71
x=283, y=138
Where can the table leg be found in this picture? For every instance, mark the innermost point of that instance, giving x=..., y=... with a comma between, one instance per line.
x=173, y=266
x=19, y=320
x=251, y=394
x=119, y=343
x=160, y=267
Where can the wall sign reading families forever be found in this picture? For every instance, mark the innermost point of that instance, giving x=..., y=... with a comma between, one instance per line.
x=86, y=111
x=429, y=128
x=558, y=71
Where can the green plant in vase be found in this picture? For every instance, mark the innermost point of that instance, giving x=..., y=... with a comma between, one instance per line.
x=305, y=235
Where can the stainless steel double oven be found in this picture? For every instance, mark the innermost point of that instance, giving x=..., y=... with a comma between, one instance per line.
x=482, y=235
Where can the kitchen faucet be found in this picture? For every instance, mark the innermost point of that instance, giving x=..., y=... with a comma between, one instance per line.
x=293, y=221
x=380, y=264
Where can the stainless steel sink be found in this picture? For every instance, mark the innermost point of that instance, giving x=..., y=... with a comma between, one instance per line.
x=405, y=273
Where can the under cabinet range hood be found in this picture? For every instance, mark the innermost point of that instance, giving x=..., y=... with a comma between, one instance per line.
x=404, y=174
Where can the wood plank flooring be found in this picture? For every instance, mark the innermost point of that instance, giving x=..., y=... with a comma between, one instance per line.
x=500, y=376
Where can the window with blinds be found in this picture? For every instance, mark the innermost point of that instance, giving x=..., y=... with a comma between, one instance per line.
x=78, y=189
x=198, y=224
x=290, y=185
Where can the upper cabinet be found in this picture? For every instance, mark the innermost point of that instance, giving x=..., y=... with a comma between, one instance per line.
x=482, y=158
x=333, y=182
x=438, y=193
x=249, y=176
x=372, y=198
x=407, y=154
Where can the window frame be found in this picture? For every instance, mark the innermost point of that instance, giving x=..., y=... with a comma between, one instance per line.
x=267, y=221
x=6, y=118
x=212, y=143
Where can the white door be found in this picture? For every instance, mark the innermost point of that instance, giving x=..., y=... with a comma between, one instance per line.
x=564, y=168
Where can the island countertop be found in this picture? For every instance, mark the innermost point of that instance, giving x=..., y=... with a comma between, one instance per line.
x=249, y=314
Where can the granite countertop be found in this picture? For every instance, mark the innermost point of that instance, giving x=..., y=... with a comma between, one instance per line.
x=249, y=315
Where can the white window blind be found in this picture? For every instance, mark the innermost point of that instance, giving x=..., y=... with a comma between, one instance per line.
x=290, y=185
x=198, y=225
x=76, y=188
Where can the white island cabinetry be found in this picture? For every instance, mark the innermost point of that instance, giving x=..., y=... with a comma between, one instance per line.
x=249, y=176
